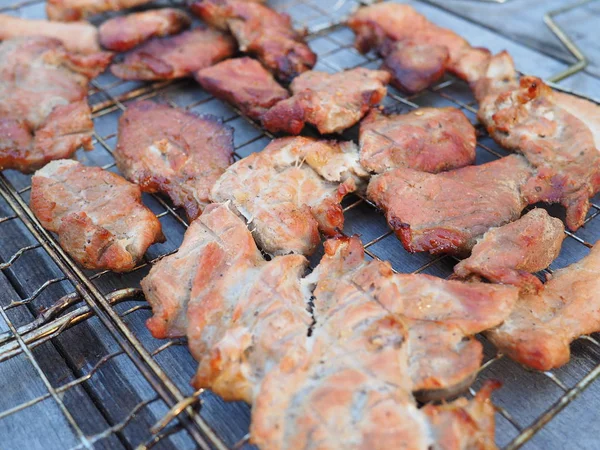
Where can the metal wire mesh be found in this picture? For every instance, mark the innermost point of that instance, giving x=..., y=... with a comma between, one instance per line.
x=89, y=351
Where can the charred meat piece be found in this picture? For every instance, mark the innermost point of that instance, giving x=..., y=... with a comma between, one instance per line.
x=69, y=10
x=175, y=56
x=559, y=134
x=245, y=83
x=427, y=139
x=77, y=37
x=538, y=332
x=330, y=102
x=447, y=212
x=242, y=313
x=44, y=114
x=122, y=33
x=262, y=32
x=291, y=190
x=98, y=216
x=356, y=375
x=168, y=150
x=510, y=253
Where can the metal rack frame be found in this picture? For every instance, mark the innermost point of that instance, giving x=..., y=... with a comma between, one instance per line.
x=86, y=300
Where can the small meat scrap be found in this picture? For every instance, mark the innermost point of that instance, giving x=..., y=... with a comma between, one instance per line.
x=426, y=139
x=69, y=10
x=77, y=37
x=242, y=314
x=447, y=212
x=542, y=325
x=292, y=190
x=330, y=102
x=99, y=217
x=122, y=33
x=245, y=83
x=262, y=32
x=169, y=150
x=44, y=114
x=510, y=253
x=176, y=56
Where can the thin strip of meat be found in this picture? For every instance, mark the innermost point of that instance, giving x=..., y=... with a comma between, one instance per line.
x=426, y=139
x=169, y=150
x=44, y=114
x=292, y=190
x=542, y=325
x=330, y=102
x=122, y=33
x=98, y=216
x=69, y=10
x=262, y=32
x=353, y=389
x=78, y=37
x=176, y=56
x=245, y=83
x=447, y=212
x=510, y=253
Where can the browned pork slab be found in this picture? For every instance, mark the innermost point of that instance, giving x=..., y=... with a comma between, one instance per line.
x=122, y=33
x=292, y=190
x=175, y=56
x=69, y=10
x=262, y=32
x=169, y=150
x=98, y=216
x=447, y=212
x=44, y=114
x=78, y=37
x=242, y=314
x=542, y=325
x=426, y=139
x=245, y=83
x=330, y=102
x=357, y=375
x=510, y=253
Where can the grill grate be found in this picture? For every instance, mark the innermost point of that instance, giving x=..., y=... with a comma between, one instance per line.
x=116, y=386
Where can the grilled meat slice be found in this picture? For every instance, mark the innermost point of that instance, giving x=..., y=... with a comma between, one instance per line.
x=426, y=139
x=447, y=212
x=98, y=216
x=77, y=37
x=262, y=32
x=245, y=83
x=330, y=102
x=122, y=33
x=291, y=190
x=44, y=113
x=508, y=254
x=538, y=332
x=69, y=10
x=175, y=56
x=169, y=150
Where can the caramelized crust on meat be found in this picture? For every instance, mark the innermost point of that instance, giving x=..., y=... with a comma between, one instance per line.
x=69, y=10
x=168, y=150
x=538, y=332
x=330, y=102
x=175, y=56
x=291, y=190
x=122, y=33
x=262, y=32
x=98, y=216
x=78, y=37
x=510, y=253
x=426, y=139
x=44, y=113
x=447, y=212
x=245, y=83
